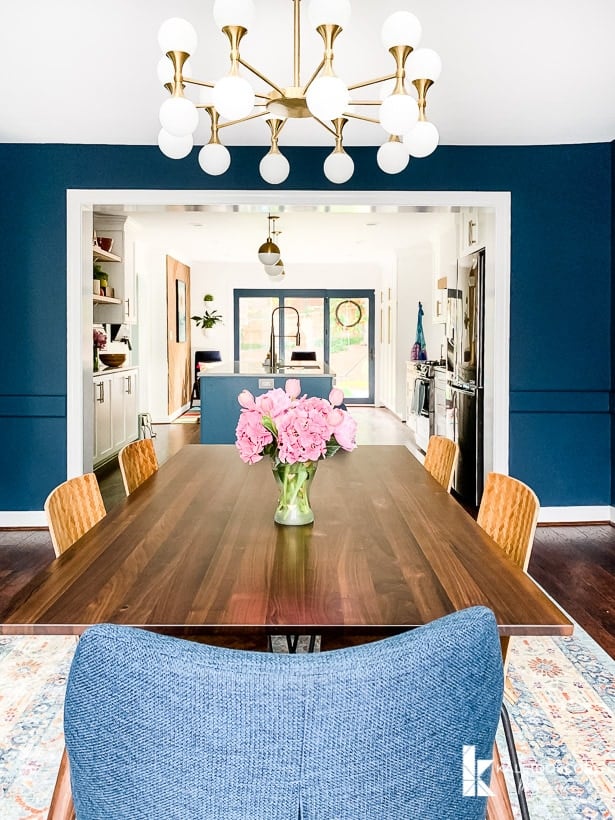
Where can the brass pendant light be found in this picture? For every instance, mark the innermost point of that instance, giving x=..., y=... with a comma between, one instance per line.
x=269, y=253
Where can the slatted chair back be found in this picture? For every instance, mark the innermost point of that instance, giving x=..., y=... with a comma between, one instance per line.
x=376, y=729
x=441, y=460
x=508, y=512
x=138, y=462
x=72, y=509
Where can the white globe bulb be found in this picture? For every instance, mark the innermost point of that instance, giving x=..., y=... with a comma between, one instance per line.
x=233, y=97
x=175, y=147
x=327, y=98
x=179, y=116
x=338, y=167
x=177, y=34
x=274, y=168
x=392, y=157
x=276, y=271
x=321, y=12
x=234, y=13
x=422, y=140
x=402, y=28
x=423, y=64
x=214, y=158
x=165, y=72
x=399, y=113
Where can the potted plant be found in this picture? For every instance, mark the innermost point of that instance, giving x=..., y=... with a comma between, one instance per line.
x=210, y=318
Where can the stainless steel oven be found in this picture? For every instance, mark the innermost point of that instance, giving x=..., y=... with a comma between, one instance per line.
x=422, y=404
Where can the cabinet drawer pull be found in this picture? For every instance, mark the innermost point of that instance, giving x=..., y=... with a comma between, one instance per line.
x=128, y=384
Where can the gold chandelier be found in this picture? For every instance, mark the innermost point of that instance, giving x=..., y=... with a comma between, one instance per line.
x=324, y=97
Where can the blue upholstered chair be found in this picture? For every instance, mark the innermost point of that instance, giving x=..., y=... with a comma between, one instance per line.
x=159, y=727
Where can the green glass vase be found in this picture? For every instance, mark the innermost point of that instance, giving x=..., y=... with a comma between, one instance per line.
x=294, y=482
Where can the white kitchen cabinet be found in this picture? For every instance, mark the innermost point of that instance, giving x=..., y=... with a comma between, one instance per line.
x=119, y=265
x=103, y=436
x=115, y=412
x=470, y=233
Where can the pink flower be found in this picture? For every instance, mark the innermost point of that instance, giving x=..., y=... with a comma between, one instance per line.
x=276, y=401
x=246, y=399
x=292, y=387
x=345, y=433
x=336, y=397
x=252, y=437
x=335, y=417
x=291, y=428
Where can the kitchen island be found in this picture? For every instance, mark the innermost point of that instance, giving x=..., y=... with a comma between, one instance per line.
x=219, y=390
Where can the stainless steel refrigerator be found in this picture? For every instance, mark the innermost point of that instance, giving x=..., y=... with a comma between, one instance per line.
x=465, y=362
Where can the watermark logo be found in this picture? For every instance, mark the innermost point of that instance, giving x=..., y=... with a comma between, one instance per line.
x=472, y=771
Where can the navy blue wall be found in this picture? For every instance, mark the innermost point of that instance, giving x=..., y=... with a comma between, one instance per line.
x=561, y=296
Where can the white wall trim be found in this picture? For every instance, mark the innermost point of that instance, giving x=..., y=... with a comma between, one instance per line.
x=78, y=352
x=576, y=515
x=22, y=518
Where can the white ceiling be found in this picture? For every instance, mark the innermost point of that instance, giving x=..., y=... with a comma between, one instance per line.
x=515, y=71
x=308, y=235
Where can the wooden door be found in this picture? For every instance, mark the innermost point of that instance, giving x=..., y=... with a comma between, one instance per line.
x=178, y=335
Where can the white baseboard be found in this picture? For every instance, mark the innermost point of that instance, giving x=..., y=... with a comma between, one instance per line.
x=27, y=519
x=575, y=515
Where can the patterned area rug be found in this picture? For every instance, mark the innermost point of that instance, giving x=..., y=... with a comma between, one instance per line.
x=563, y=721
x=191, y=416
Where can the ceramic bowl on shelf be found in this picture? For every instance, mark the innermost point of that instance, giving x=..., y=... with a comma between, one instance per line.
x=112, y=359
x=104, y=242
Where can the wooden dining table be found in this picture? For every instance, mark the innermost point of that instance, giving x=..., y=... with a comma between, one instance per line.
x=194, y=551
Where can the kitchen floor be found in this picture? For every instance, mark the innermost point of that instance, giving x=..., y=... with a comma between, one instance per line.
x=576, y=565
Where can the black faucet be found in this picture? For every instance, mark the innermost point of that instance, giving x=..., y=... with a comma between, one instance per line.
x=273, y=361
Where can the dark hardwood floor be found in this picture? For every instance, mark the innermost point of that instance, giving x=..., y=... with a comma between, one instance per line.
x=575, y=565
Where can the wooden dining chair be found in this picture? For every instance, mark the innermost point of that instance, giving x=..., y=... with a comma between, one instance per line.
x=508, y=512
x=441, y=460
x=375, y=731
x=138, y=462
x=72, y=509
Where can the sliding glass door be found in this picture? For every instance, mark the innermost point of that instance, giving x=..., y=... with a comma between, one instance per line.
x=336, y=326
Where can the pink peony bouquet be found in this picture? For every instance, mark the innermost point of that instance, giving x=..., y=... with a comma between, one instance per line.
x=99, y=338
x=292, y=428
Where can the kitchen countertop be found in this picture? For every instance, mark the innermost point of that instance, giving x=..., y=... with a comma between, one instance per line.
x=237, y=369
x=104, y=371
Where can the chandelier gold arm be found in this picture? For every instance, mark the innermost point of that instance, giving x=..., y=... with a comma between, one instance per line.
x=361, y=117
x=365, y=83
x=261, y=76
x=243, y=119
x=328, y=32
x=275, y=126
x=235, y=35
x=325, y=126
x=296, y=43
x=422, y=87
x=178, y=58
x=314, y=75
x=192, y=81
x=213, y=116
x=338, y=124
x=400, y=55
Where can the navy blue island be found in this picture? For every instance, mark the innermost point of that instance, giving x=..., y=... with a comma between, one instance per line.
x=219, y=390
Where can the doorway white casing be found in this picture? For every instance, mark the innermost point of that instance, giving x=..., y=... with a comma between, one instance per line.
x=78, y=332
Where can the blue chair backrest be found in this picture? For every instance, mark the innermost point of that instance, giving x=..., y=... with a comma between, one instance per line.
x=161, y=728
